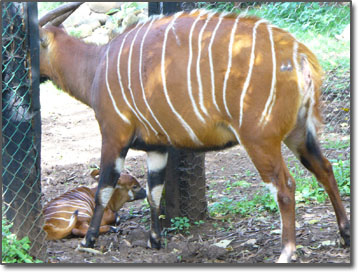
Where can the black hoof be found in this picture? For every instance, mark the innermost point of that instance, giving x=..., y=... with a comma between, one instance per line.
x=113, y=229
x=346, y=236
x=88, y=241
x=154, y=243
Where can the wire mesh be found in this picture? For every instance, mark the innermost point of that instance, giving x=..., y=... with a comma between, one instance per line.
x=21, y=189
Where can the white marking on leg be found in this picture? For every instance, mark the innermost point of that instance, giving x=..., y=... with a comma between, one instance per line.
x=211, y=63
x=272, y=97
x=191, y=133
x=123, y=117
x=287, y=253
x=190, y=91
x=142, y=85
x=154, y=235
x=121, y=84
x=156, y=194
x=273, y=191
x=119, y=165
x=130, y=84
x=229, y=63
x=105, y=195
x=156, y=161
x=198, y=74
x=251, y=65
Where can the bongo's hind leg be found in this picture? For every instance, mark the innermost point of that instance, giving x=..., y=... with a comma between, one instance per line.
x=270, y=164
x=304, y=145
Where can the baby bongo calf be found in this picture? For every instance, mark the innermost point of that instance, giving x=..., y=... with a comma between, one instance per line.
x=72, y=211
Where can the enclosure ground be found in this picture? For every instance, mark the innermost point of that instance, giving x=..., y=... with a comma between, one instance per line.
x=71, y=146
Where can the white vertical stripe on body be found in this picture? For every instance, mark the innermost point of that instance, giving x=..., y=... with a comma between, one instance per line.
x=190, y=89
x=130, y=84
x=211, y=63
x=295, y=63
x=198, y=73
x=229, y=63
x=272, y=97
x=121, y=115
x=120, y=79
x=179, y=117
x=248, y=77
x=142, y=85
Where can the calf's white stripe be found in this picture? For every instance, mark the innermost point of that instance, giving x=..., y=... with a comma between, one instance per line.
x=182, y=121
x=232, y=36
x=142, y=85
x=248, y=77
x=272, y=98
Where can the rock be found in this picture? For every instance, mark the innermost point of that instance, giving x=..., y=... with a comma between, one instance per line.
x=102, y=18
x=110, y=25
x=84, y=31
x=129, y=20
x=214, y=252
x=142, y=16
x=103, y=7
x=76, y=18
x=98, y=39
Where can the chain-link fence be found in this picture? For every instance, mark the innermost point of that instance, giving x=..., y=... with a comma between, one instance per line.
x=21, y=187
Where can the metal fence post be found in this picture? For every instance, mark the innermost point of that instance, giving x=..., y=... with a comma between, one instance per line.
x=21, y=124
x=185, y=174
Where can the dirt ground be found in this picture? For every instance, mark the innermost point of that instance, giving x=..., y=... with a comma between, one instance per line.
x=71, y=147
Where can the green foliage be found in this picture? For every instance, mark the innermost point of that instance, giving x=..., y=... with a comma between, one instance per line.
x=321, y=18
x=14, y=250
x=180, y=224
x=308, y=189
x=262, y=201
x=342, y=172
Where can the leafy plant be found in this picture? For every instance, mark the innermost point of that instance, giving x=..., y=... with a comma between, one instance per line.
x=14, y=250
x=180, y=224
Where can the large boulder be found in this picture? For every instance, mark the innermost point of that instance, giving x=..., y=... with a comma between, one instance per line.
x=103, y=7
x=78, y=16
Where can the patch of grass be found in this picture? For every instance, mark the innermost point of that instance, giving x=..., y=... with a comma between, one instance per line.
x=262, y=201
x=336, y=144
x=308, y=189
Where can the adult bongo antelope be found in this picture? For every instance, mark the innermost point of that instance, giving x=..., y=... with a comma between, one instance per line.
x=198, y=81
